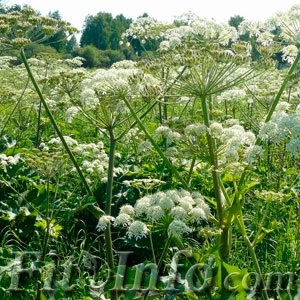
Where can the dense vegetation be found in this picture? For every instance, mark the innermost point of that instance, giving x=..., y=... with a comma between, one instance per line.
x=156, y=161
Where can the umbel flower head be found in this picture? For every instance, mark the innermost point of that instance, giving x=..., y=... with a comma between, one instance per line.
x=137, y=230
x=177, y=210
x=21, y=28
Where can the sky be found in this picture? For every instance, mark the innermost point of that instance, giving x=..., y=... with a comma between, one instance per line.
x=75, y=11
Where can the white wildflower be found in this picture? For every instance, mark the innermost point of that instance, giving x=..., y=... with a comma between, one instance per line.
x=144, y=146
x=269, y=131
x=155, y=213
x=123, y=219
x=137, y=230
x=178, y=228
x=282, y=106
x=178, y=213
x=163, y=130
x=248, y=138
x=253, y=153
x=166, y=203
x=173, y=195
x=216, y=130
x=104, y=221
x=127, y=209
x=186, y=202
x=289, y=53
x=7, y=161
x=71, y=113
x=195, y=129
x=293, y=147
x=155, y=198
x=142, y=205
x=230, y=155
x=198, y=215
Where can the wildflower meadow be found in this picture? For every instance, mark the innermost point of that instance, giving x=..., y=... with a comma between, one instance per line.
x=170, y=176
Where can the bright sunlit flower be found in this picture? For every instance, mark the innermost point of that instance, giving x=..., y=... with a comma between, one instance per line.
x=178, y=228
x=137, y=230
x=178, y=213
x=142, y=205
x=198, y=215
x=7, y=161
x=166, y=203
x=127, y=209
x=155, y=213
x=123, y=219
x=104, y=221
x=289, y=53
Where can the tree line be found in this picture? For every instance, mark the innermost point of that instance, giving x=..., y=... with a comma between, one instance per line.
x=99, y=43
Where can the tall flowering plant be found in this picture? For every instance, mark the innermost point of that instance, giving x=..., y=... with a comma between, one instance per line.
x=215, y=61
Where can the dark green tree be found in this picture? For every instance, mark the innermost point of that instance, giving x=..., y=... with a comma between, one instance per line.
x=91, y=54
x=235, y=21
x=103, y=31
x=97, y=31
x=71, y=44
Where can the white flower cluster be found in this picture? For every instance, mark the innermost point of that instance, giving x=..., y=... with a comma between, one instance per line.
x=167, y=133
x=179, y=210
x=5, y=62
x=255, y=29
x=284, y=127
x=112, y=82
x=289, y=25
x=57, y=141
x=92, y=156
x=71, y=112
x=143, y=28
x=195, y=130
x=8, y=161
x=232, y=95
x=74, y=62
x=289, y=53
x=106, y=88
x=197, y=27
x=236, y=146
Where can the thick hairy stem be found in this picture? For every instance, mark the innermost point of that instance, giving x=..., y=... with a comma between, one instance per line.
x=225, y=239
x=213, y=160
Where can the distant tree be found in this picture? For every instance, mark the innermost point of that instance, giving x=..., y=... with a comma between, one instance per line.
x=119, y=26
x=71, y=44
x=235, y=21
x=103, y=31
x=91, y=54
x=97, y=31
x=7, y=9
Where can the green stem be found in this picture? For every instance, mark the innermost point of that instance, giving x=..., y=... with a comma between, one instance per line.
x=109, y=195
x=165, y=250
x=46, y=237
x=191, y=170
x=225, y=238
x=37, y=89
x=282, y=88
x=38, y=127
x=156, y=147
x=213, y=160
x=152, y=247
x=241, y=225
